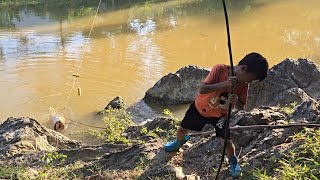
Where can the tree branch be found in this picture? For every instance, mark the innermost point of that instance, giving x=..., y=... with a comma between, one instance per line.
x=236, y=128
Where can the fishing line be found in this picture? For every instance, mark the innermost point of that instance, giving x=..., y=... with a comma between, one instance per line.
x=76, y=75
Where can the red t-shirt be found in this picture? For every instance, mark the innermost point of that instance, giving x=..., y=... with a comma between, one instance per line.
x=215, y=104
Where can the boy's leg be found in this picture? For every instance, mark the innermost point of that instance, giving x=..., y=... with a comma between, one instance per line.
x=181, y=133
x=191, y=121
x=235, y=169
x=181, y=139
x=230, y=149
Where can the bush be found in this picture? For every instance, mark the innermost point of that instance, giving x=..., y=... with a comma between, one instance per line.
x=116, y=121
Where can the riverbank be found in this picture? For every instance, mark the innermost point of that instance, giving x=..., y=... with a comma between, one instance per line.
x=289, y=95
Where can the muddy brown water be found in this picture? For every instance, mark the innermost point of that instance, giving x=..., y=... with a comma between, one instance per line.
x=132, y=46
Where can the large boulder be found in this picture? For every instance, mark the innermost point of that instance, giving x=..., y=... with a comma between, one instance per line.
x=27, y=136
x=290, y=81
x=180, y=87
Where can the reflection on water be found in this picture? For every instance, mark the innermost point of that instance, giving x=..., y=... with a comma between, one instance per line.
x=133, y=44
x=143, y=48
x=149, y=27
x=172, y=21
x=22, y=46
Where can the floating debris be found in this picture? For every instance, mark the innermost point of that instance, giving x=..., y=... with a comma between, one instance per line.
x=76, y=75
x=79, y=91
x=58, y=120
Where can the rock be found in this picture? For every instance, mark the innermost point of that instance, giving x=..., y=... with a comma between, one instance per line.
x=27, y=136
x=130, y=157
x=265, y=147
x=180, y=87
x=161, y=122
x=116, y=103
x=281, y=122
x=165, y=124
x=308, y=110
x=290, y=81
x=263, y=115
x=289, y=96
x=141, y=111
x=176, y=171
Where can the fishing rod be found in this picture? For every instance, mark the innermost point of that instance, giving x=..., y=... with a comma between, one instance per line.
x=232, y=74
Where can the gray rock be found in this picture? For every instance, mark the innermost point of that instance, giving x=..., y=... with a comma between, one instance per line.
x=259, y=116
x=180, y=87
x=307, y=111
x=116, y=103
x=290, y=81
x=141, y=111
x=27, y=136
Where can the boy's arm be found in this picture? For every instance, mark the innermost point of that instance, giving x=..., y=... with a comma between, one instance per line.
x=208, y=88
x=239, y=105
x=243, y=98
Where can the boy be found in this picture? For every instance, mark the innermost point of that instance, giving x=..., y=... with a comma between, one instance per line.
x=213, y=101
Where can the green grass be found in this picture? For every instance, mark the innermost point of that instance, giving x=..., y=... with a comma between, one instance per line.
x=289, y=109
x=302, y=162
x=12, y=172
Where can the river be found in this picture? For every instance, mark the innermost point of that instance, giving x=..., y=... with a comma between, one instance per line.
x=132, y=45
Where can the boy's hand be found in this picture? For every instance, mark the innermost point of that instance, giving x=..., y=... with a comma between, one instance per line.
x=233, y=99
x=232, y=80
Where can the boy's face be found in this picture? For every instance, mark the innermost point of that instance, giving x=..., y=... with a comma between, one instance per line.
x=244, y=76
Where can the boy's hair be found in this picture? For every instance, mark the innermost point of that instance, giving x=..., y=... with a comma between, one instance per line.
x=256, y=64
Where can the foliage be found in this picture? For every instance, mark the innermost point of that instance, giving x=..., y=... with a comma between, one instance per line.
x=257, y=174
x=143, y=131
x=116, y=121
x=143, y=164
x=288, y=109
x=163, y=133
x=52, y=9
x=301, y=162
x=64, y=172
x=53, y=157
x=169, y=133
x=11, y=172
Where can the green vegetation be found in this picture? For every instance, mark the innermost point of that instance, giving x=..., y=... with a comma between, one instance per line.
x=52, y=157
x=60, y=10
x=53, y=9
x=160, y=131
x=171, y=133
x=288, y=109
x=60, y=172
x=11, y=172
x=53, y=168
x=116, y=121
x=301, y=162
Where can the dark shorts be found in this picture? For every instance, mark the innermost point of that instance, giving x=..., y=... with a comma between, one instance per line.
x=193, y=120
